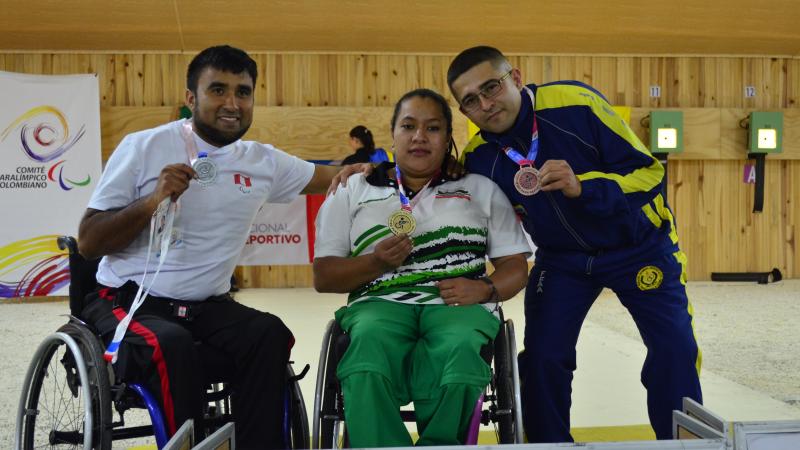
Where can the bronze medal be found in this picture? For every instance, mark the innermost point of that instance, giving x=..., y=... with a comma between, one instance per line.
x=526, y=180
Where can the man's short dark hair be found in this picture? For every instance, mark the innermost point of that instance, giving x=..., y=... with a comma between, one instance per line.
x=221, y=57
x=470, y=58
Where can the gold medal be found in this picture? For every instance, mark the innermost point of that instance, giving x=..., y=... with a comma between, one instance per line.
x=402, y=222
x=526, y=180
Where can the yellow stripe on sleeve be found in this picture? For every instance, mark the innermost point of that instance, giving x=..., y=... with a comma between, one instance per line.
x=640, y=180
x=562, y=95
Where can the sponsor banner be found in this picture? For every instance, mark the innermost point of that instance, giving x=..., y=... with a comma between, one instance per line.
x=279, y=235
x=49, y=165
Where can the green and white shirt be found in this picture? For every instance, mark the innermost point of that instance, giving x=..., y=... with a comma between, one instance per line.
x=459, y=224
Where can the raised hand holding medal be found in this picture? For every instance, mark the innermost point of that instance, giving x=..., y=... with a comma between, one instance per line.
x=557, y=175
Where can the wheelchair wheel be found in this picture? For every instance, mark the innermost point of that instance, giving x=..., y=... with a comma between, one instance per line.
x=65, y=401
x=509, y=412
x=298, y=417
x=328, y=420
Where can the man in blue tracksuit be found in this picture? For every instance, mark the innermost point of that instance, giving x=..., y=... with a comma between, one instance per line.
x=589, y=194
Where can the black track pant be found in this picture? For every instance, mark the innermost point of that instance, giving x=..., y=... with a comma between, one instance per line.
x=167, y=354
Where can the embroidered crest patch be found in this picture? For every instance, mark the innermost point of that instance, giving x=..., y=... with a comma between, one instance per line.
x=649, y=277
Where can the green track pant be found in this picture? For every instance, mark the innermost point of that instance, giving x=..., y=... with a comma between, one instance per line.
x=428, y=354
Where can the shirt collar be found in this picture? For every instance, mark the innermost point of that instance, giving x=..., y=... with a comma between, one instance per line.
x=380, y=176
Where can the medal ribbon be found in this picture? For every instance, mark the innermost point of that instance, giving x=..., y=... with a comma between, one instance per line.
x=534, y=148
x=188, y=139
x=198, y=159
x=165, y=215
x=405, y=204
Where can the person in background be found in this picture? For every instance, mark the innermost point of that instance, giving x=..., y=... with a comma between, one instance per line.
x=363, y=145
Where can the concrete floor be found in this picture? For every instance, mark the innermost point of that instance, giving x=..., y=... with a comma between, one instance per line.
x=748, y=334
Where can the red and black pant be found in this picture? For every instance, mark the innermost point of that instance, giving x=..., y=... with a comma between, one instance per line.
x=165, y=352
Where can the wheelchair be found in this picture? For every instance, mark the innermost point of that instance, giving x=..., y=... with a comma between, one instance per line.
x=499, y=405
x=69, y=389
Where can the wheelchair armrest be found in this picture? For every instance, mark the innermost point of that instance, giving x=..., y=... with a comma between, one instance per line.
x=81, y=273
x=68, y=243
x=299, y=376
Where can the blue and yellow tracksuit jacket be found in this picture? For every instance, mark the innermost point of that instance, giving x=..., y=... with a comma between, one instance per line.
x=619, y=233
x=620, y=206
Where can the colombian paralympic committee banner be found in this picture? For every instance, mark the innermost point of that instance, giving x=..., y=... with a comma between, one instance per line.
x=49, y=165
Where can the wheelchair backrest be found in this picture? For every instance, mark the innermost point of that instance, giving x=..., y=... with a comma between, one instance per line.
x=82, y=275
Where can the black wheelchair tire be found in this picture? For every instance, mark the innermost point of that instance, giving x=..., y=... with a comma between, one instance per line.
x=331, y=401
x=504, y=388
x=298, y=416
x=48, y=370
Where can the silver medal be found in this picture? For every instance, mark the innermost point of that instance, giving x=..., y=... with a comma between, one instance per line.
x=206, y=170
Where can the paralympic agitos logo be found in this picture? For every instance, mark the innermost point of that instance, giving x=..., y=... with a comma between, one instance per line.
x=44, y=137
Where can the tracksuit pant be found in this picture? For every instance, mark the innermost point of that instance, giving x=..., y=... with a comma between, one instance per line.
x=557, y=299
x=160, y=350
x=428, y=354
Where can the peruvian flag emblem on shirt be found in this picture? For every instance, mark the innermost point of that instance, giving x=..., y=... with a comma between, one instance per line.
x=242, y=180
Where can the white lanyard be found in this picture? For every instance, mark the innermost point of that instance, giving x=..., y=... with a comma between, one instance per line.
x=161, y=232
x=161, y=224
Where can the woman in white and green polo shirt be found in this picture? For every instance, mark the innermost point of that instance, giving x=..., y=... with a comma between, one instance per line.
x=409, y=244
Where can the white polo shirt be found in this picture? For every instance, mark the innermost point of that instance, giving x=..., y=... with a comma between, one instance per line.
x=459, y=224
x=212, y=223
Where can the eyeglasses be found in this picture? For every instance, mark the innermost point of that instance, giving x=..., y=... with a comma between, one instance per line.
x=490, y=89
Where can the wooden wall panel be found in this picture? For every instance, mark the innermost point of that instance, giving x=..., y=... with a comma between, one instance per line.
x=377, y=80
x=275, y=276
x=716, y=225
x=792, y=85
x=320, y=132
x=714, y=208
x=313, y=133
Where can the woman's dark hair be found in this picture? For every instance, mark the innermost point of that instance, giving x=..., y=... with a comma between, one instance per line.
x=363, y=134
x=446, y=112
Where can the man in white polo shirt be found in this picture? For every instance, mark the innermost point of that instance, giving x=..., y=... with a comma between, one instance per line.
x=203, y=165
